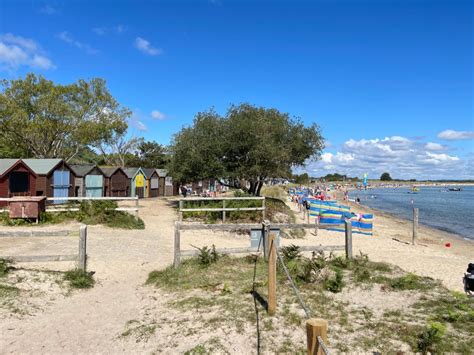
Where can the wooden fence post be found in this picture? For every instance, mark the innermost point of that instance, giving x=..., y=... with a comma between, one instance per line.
x=348, y=238
x=272, y=259
x=82, y=256
x=264, y=208
x=265, y=235
x=223, y=212
x=316, y=327
x=177, y=244
x=415, y=226
x=137, y=205
x=180, y=213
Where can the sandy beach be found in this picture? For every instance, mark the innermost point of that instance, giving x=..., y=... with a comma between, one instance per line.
x=93, y=321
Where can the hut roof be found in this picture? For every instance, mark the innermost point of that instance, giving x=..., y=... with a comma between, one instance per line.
x=109, y=171
x=162, y=172
x=148, y=172
x=82, y=170
x=6, y=164
x=131, y=172
x=42, y=166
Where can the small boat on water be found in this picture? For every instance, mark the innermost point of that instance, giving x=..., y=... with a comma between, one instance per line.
x=414, y=190
x=455, y=189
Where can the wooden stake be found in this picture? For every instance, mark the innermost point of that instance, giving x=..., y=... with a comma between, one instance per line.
x=272, y=259
x=316, y=327
x=177, y=244
x=137, y=206
x=348, y=238
x=415, y=226
x=82, y=257
x=223, y=212
x=181, y=203
x=264, y=208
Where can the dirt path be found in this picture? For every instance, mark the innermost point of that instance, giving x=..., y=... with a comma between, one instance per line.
x=92, y=321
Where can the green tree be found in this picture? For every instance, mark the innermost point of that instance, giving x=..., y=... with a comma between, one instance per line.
x=251, y=143
x=302, y=179
x=42, y=119
x=385, y=177
x=152, y=155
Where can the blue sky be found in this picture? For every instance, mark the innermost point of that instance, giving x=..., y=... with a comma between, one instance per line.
x=389, y=82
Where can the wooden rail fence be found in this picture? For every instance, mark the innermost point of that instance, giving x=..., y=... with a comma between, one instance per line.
x=64, y=208
x=222, y=209
x=80, y=257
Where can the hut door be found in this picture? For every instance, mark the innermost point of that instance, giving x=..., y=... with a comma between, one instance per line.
x=18, y=183
x=140, y=185
x=94, y=185
x=60, y=184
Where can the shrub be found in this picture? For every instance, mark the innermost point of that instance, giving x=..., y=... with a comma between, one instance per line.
x=4, y=267
x=336, y=283
x=78, y=278
x=208, y=256
x=409, y=282
x=431, y=337
x=291, y=252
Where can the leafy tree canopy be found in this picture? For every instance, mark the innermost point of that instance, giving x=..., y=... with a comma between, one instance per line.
x=385, y=177
x=249, y=142
x=41, y=119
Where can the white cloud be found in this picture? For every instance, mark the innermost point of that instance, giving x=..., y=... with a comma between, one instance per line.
x=66, y=37
x=452, y=135
x=404, y=158
x=17, y=51
x=433, y=146
x=145, y=46
x=102, y=31
x=157, y=115
x=49, y=10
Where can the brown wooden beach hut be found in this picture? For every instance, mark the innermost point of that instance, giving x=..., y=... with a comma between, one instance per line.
x=161, y=181
x=117, y=184
x=89, y=181
x=16, y=179
x=151, y=183
x=55, y=177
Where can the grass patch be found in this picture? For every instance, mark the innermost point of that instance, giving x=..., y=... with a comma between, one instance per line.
x=141, y=331
x=7, y=291
x=90, y=212
x=219, y=295
x=79, y=279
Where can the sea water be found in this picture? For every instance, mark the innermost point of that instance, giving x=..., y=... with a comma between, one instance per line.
x=451, y=211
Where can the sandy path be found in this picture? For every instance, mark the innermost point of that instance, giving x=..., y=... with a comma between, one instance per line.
x=91, y=321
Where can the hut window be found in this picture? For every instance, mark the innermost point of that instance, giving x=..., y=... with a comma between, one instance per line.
x=19, y=182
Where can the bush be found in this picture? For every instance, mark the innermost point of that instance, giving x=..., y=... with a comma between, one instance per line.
x=207, y=256
x=78, y=278
x=291, y=252
x=336, y=283
x=4, y=267
x=431, y=337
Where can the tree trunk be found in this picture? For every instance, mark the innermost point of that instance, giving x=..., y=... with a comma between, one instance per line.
x=253, y=186
x=259, y=188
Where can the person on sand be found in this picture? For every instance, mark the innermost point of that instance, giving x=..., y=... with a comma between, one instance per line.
x=358, y=200
x=184, y=190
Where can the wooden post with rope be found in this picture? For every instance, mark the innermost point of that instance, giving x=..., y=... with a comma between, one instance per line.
x=415, y=226
x=223, y=212
x=316, y=327
x=348, y=230
x=181, y=203
x=272, y=260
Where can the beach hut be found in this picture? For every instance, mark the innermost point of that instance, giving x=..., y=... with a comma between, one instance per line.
x=89, y=181
x=137, y=181
x=55, y=177
x=117, y=183
x=16, y=179
x=151, y=183
x=161, y=181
